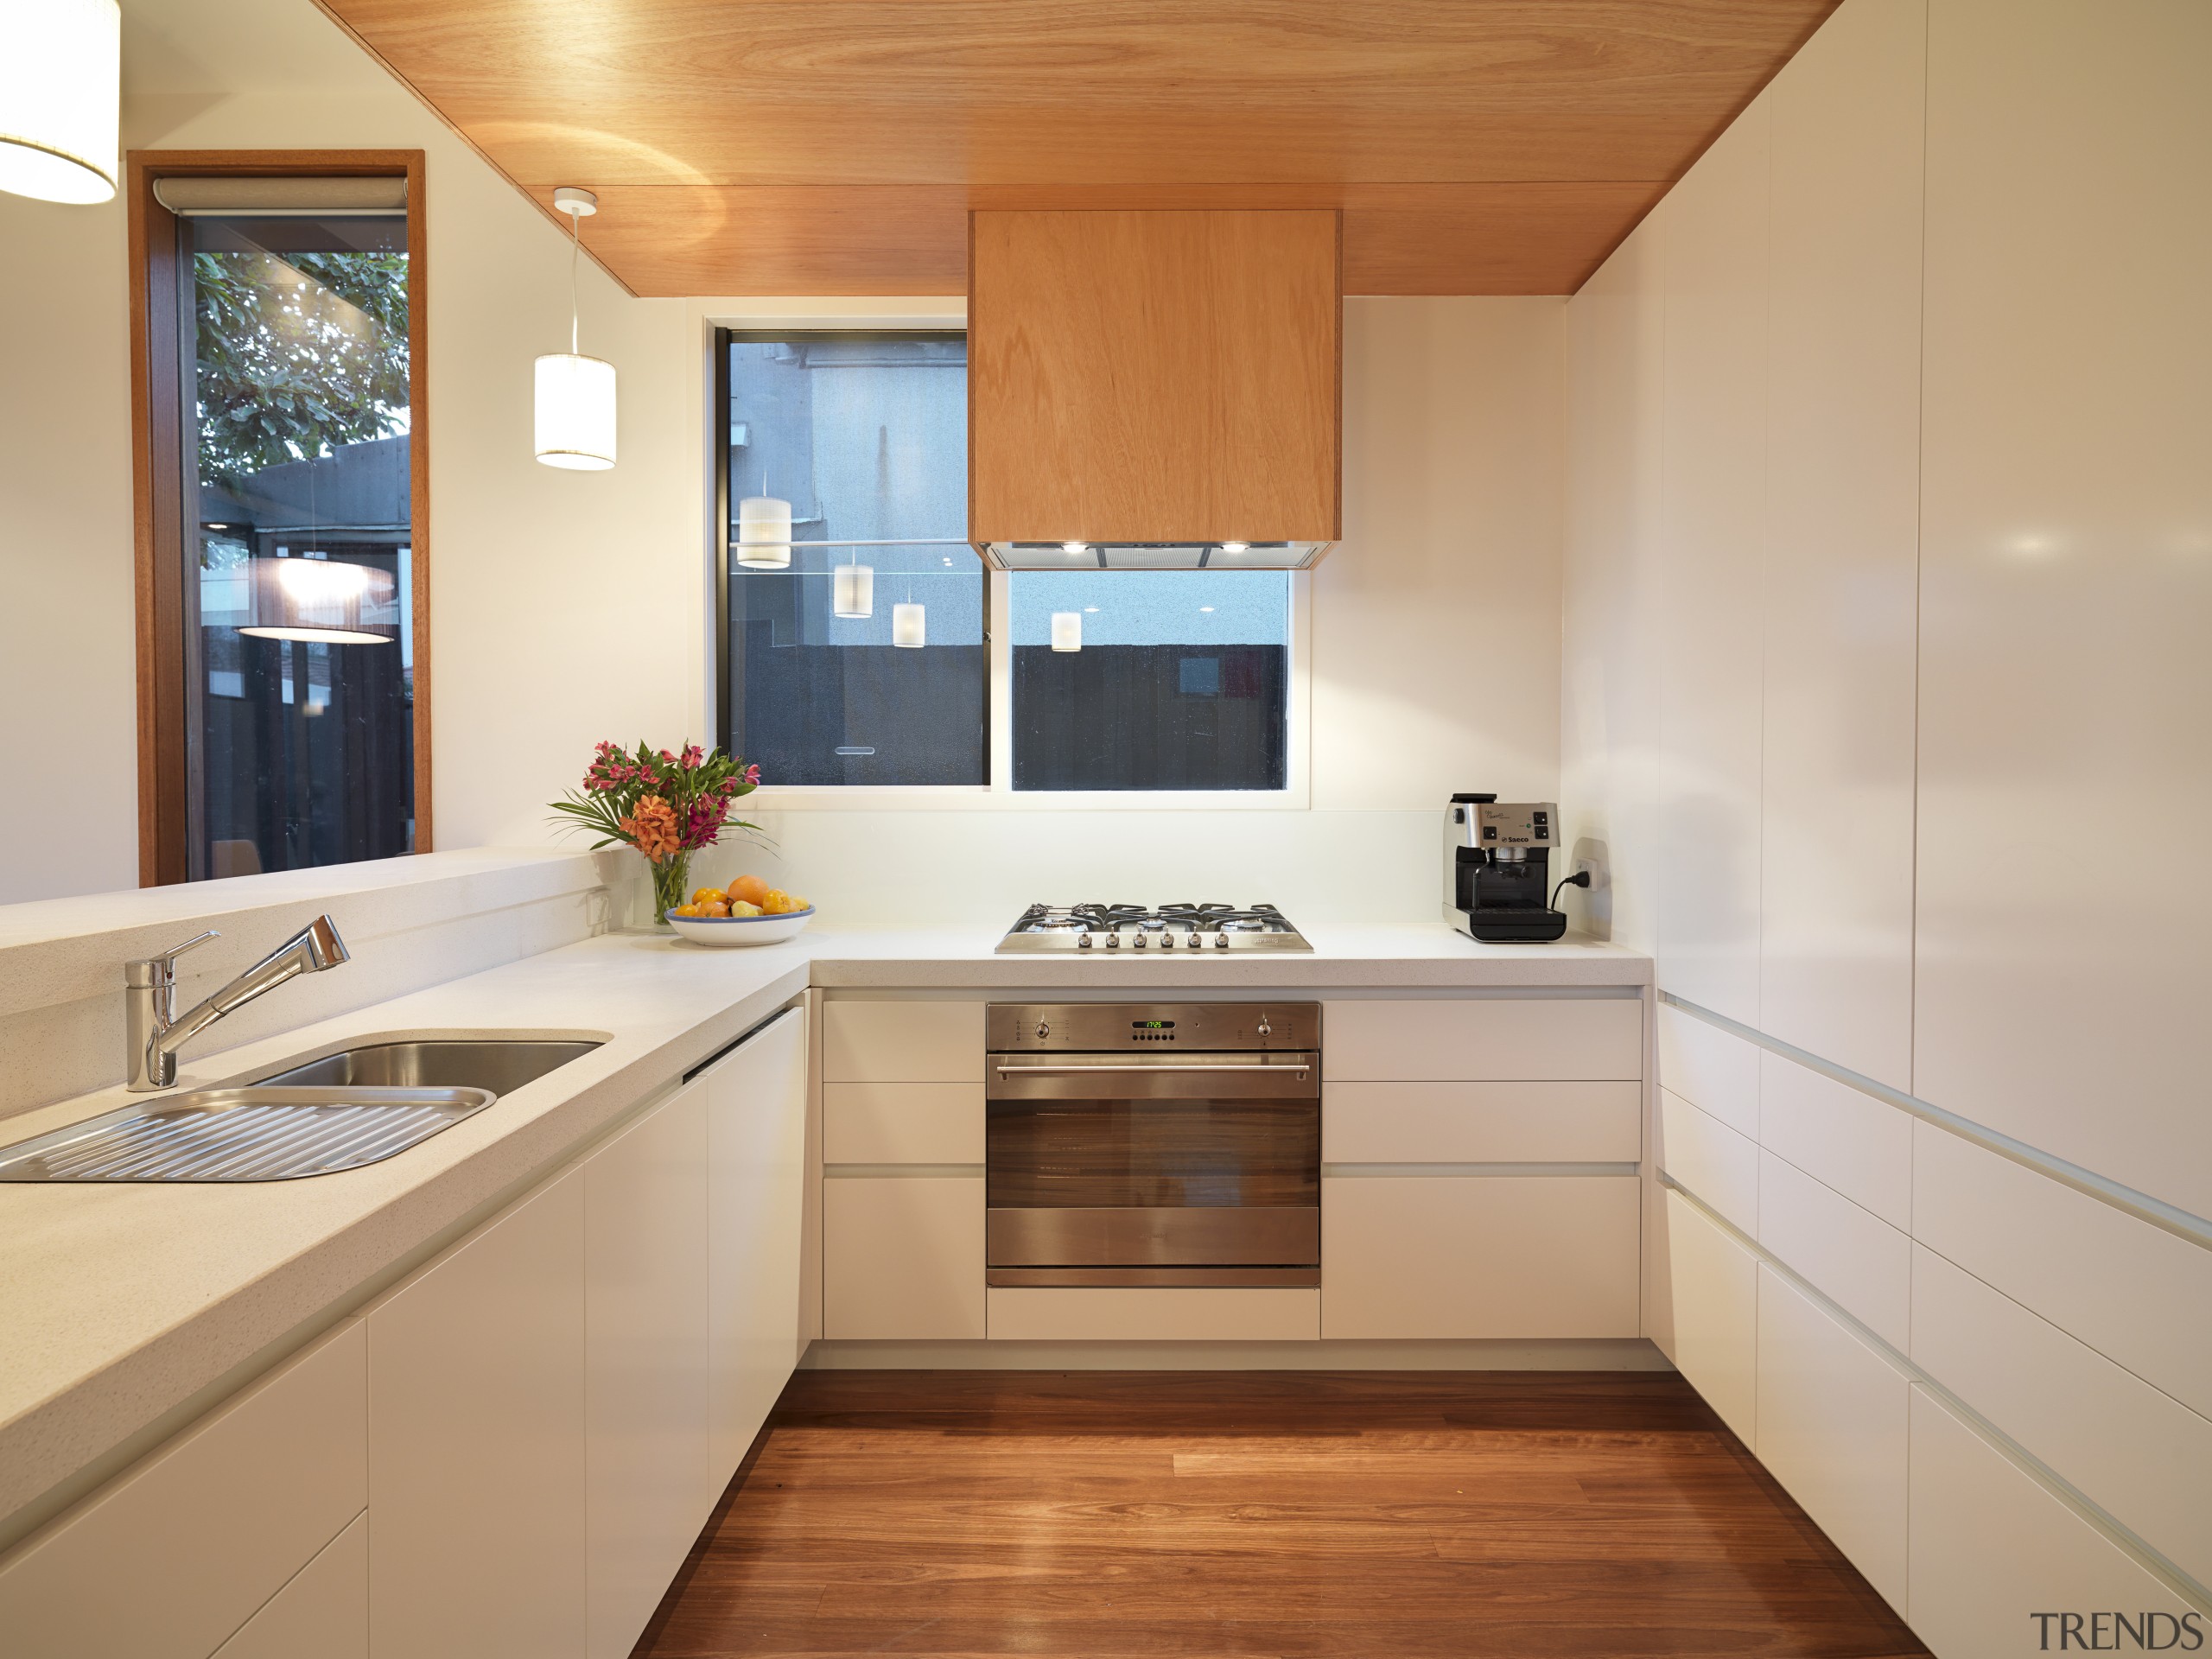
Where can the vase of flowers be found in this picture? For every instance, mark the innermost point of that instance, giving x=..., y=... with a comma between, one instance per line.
x=667, y=806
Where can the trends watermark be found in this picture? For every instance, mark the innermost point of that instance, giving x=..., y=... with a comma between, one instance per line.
x=2117, y=1632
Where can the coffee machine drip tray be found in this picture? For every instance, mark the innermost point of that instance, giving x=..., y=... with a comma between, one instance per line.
x=1215, y=929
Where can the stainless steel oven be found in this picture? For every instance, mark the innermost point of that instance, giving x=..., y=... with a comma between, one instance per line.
x=1133, y=1143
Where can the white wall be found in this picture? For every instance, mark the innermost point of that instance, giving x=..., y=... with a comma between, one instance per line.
x=1889, y=424
x=571, y=606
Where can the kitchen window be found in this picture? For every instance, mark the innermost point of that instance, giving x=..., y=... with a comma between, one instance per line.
x=878, y=650
x=279, y=347
x=863, y=658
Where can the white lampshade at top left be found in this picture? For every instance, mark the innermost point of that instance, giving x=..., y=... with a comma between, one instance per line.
x=60, y=67
x=576, y=394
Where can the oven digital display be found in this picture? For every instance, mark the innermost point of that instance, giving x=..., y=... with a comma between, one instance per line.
x=1152, y=1025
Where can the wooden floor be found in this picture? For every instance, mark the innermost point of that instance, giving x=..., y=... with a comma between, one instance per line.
x=1254, y=1513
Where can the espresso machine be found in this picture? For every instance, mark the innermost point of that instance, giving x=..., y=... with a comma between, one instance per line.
x=1498, y=869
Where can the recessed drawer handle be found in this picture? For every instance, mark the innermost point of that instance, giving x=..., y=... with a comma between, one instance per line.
x=1086, y=1071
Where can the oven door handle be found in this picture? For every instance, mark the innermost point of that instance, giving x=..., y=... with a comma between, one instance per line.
x=1088, y=1071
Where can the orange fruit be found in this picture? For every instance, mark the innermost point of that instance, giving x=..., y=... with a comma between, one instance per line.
x=716, y=908
x=709, y=896
x=683, y=910
x=751, y=888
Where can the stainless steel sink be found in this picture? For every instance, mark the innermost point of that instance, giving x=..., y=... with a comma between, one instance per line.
x=500, y=1065
x=359, y=1106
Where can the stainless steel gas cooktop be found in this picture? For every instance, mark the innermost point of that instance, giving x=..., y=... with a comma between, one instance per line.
x=1187, y=928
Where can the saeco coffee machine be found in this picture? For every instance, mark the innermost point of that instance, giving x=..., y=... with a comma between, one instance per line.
x=1498, y=869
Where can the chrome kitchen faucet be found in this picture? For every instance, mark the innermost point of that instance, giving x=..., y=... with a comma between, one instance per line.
x=157, y=1031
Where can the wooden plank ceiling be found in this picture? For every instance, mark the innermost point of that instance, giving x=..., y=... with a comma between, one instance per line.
x=804, y=147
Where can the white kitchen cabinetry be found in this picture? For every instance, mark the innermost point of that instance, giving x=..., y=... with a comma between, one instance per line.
x=902, y=1122
x=1831, y=1415
x=323, y=1612
x=893, y=1041
x=1483, y=1123
x=903, y=1257
x=1482, y=1039
x=476, y=1444
x=1710, y=1159
x=646, y=1468
x=170, y=1559
x=1713, y=1283
x=1479, y=1256
x=756, y=1157
x=1992, y=1547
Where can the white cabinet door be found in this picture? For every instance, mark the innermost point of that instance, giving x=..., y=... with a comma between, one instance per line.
x=1832, y=1430
x=476, y=1444
x=322, y=1612
x=756, y=1171
x=1479, y=1256
x=175, y=1553
x=1998, y=1561
x=893, y=1041
x=903, y=1257
x=1504, y=1039
x=644, y=1364
x=1714, y=1285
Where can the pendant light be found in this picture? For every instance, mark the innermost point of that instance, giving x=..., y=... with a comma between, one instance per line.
x=764, y=530
x=906, y=627
x=852, y=591
x=60, y=68
x=576, y=394
x=328, y=601
x=1067, y=630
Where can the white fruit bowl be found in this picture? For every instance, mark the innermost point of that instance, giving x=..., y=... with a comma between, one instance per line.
x=742, y=930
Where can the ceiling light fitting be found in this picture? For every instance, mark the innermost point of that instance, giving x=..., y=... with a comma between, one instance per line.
x=575, y=393
x=852, y=591
x=60, y=69
x=1067, y=630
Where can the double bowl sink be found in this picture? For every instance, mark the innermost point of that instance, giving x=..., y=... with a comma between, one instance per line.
x=342, y=1112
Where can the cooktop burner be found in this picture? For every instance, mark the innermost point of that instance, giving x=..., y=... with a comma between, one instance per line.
x=1186, y=927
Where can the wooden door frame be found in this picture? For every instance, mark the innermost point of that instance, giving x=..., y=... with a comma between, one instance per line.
x=158, y=336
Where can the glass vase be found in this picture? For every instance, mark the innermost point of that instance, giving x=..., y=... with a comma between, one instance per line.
x=670, y=877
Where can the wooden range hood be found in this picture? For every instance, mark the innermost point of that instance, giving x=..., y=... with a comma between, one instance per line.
x=1154, y=386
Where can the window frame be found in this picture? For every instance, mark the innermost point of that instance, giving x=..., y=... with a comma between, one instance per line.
x=162, y=356
x=918, y=316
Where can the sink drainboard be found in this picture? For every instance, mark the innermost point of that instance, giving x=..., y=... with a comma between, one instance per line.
x=242, y=1134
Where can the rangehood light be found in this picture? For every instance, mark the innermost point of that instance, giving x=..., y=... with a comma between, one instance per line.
x=1235, y=547
x=1075, y=547
x=1067, y=630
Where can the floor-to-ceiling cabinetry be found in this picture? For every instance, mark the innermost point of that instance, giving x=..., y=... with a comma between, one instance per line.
x=1889, y=424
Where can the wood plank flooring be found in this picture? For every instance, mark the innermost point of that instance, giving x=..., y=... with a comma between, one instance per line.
x=1122, y=1513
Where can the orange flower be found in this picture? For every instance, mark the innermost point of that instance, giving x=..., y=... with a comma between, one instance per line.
x=652, y=829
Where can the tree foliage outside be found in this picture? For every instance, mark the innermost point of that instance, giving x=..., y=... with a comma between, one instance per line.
x=297, y=356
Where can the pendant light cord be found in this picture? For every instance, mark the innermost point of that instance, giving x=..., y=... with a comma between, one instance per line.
x=576, y=247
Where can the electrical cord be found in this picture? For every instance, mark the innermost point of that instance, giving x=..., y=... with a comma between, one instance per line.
x=1579, y=879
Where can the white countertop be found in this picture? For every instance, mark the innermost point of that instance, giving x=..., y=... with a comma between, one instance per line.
x=119, y=1303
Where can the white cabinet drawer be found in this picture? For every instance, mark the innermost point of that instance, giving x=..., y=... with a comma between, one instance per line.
x=1860, y=1146
x=902, y=1122
x=1831, y=1429
x=1991, y=1548
x=1481, y=1123
x=1479, y=1256
x=902, y=1257
x=1713, y=1282
x=173, y=1555
x=1715, y=1070
x=323, y=1613
x=1144, y=1313
x=1710, y=1159
x=1490, y=1039
x=902, y=1042
x=1854, y=1258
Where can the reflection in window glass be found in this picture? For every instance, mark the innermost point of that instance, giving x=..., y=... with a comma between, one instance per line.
x=866, y=436
x=299, y=641
x=1181, y=680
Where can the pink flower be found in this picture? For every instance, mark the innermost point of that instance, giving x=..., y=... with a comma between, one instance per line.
x=752, y=774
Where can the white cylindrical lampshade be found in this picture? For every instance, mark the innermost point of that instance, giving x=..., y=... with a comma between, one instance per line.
x=764, y=533
x=330, y=601
x=60, y=65
x=575, y=412
x=906, y=627
x=852, y=591
x=1067, y=630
